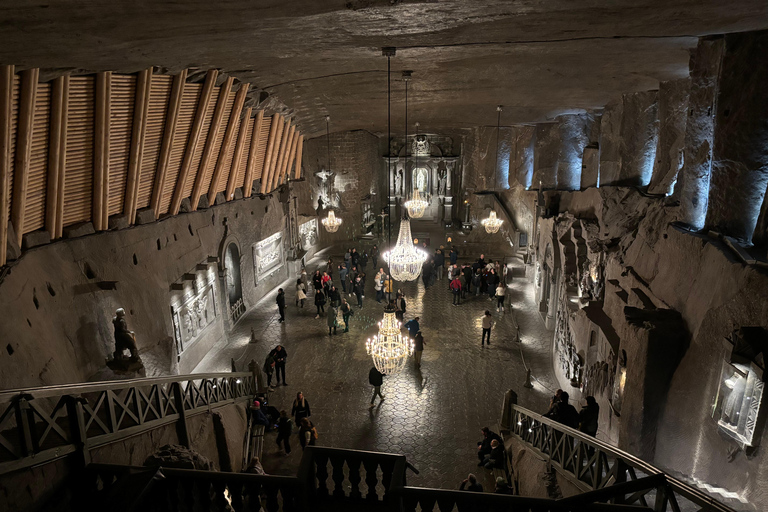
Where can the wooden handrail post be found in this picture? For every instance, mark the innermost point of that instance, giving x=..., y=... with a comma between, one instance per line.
x=77, y=428
x=510, y=399
x=181, y=426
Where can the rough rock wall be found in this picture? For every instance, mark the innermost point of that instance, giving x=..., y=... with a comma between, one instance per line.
x=356, y=160
x=673, y=114
x=58, y=300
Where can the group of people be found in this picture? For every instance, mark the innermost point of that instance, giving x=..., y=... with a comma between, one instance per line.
x=491, y=455
x=585, y=420
x=484, y=276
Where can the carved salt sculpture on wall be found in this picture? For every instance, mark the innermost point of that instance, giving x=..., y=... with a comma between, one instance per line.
x=571, y=363
x=194, y=312
x=308, y=234
x=267, y=257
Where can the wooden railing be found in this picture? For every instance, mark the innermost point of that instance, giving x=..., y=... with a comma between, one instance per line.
x=42, y=424
x=604, y=472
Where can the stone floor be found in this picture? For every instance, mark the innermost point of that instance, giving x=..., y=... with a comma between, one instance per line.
x=434, y=415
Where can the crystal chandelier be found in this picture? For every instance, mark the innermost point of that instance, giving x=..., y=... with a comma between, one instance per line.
x=405, y=259
x=389, y=348
x=416, y=206
x=331, y=223
x=492, y=223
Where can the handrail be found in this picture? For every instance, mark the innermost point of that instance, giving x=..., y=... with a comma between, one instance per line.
x=601, y=469
x=89, y=387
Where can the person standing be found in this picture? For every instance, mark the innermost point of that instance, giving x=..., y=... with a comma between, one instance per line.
x=466, y=272
x=413, y=327
x=348, y=258
x=363, y=260
x=300, y=409
x=400, y=306
x=319, y=302
x=492, y=281
x=588, y=416
x=269, y=369
x=355, y=258
x=454, y=255
x=329, y=266
x=477, y=281
x=352, y=279
x=388, y=284
x=346, y=312
x=359, y=292
x=375, y=255
x=317, y=281
x=487, y=322
x=334, y=296
x=280, y=355
x=280, y=300
x=307, y=433
x=376, y=379
x=378, y=285
x=284, y=431
x=439, y=263
x=326, y=282
x=343, y=277
x=456, y=289
x=331, y=318
x=418, y=348
x=301, y=292
x=426, y=272
x=501, y=292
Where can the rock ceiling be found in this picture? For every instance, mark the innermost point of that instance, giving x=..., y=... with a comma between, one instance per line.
x=539, y=58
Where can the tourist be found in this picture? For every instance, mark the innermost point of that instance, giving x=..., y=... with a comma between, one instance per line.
x=280, y=356
x=426, y=272
x=346, y=312
x=359, y=292
x=552, y=401
x=492, y=280
x=413, y=327
x=352, y=279
x=495, y=459
x=484, y=446
x=477, y=281
x=418, y=348
x=453, y=256
x=331, y=319
x=255, y=467
x=280, y=300
x=588, y=416
x=363, y=260
x=439, y=263
x=257, y=415
x=563, y=412
x=466, y=273
x=376, y=379
x=317, y=281
x=487, y=322
x=378, y=285
x=502, y=487
x=348, y=258
x=388, y=285
x=470, y=484
x=307, y=433
x=355, y=258
x=300, y=409
x=456, y=289
x=343, y=277
x=334, y=296
x=400, y=306
x=501, y=292
x=284, y=431
x=326, y=282
x=329, y=266
x=375, y=255
x=319, y=302
x=269, y=369
x=301, y=293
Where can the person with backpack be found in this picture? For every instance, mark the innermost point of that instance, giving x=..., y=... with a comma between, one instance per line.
x=456, y=289
x=284, y=430
x=307, y=433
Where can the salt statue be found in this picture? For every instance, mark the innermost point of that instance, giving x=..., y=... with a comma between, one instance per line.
x=124, y=339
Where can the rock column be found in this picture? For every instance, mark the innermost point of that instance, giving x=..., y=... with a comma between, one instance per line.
x=673, y=113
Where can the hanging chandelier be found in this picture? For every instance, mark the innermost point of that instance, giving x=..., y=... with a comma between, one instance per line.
x=416, y=206
x=405, y=259
x=492, y=223
x=389, y=348
x=331, y=223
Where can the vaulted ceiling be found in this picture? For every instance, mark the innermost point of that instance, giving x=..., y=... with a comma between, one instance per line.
x=309, y=58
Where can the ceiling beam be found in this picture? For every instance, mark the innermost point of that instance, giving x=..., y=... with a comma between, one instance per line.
x=284, y=157
x=140, y=110
x=250, y=166
x=169, y=132
x=24, y=126
x=273, y=131
x=299, y=155
x=239, y=148
x=194, y=139
x=6, y=110
x=101, y=151
x=291, y=155
x=229, y=135
x=57, y=157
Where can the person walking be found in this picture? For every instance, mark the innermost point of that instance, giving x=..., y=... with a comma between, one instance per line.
x=280, y=300
x=329, y=267
x=454, y=255
x=301, y=293
x=300, y=409
x=331, y=319
x=456, y=289
x=359, y=292
x=492, y=281
x=375, y=255
x=376, y=379
x=334, y=296
x=413, y=327
x=487, y=322
x=280, y=355
x=426, y=272
x=388, y=284
x=400, y=306
x=269, y=369
x=284, y=431
x=418, y=348
x=346, y=312
x=343, y=277
x=307, y=433
x=352, y=279
x=317, y=281
x=439, y=263
x=363, y=260
x=378, y=285
x=326, y=282
x=501, y=292
x=319, y=302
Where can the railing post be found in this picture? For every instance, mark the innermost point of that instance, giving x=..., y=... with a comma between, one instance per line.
x=22, y=423
x=77, y=427
x=181, y=425
x=510, y=400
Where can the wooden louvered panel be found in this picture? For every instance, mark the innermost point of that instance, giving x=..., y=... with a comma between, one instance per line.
x=34, y=206
x=261, y=147
x=14, y=125
x=195, y=166
x=78, y=173
x=189, y=101
x=246, y=150
x=228, y=157
x=160, y=92
x=217, y=143
x=121, y=124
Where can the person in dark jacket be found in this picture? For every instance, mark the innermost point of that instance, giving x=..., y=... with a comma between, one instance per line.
x=492, y=280
x=440, y=263
x=284, y=431
x=454, y=256
x=375, y=255
x=257, y=415
x=319, y=301
x=563, y=412
x=502, y=487
x=426, y=272
x=363, y=260
x=471, y=484
x=343, y=277
x=334, y=296
x=307, y=433
x=376, y=379
x=413, y=327
x=269, y=369
x=359, y=291
x=418, y=348
x=317, y=281
x=588, y=416
x=346, y=312
x=484, y=446
x=300, y=408
x=495, y=459
x=466, y=272
x=280, y=356
x=355, y=258
x=400, y=306
x=281, y=304
x=331, y=320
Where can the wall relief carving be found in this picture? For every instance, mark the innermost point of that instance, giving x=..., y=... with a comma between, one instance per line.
x=267, y=257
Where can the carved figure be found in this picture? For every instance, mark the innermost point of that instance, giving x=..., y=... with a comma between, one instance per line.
x=421, y=180
x=442, y=178
x=124, y=339
x=399, y=182
x=320, y=206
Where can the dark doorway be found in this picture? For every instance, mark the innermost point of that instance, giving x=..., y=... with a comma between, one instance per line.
x=232, y=264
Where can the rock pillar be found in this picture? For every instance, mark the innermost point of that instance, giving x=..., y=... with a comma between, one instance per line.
x=673, y=113
x=546, y=156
